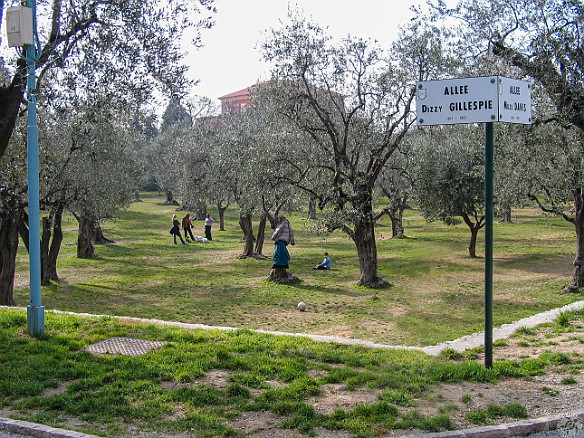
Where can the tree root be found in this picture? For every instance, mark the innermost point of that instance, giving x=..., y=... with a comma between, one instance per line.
x=282, y=276
x=570, y=288
x=377, y=283
x=251, y=256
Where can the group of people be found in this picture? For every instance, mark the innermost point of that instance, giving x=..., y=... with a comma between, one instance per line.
x=284, y=236
x=187, y=226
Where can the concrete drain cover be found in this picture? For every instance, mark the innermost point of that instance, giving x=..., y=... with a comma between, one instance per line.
x=125, y=346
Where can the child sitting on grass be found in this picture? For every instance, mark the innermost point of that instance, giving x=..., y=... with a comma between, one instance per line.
x=325, y=264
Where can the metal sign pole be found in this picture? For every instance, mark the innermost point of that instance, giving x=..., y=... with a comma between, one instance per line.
x=489, y=134
x=477, y=100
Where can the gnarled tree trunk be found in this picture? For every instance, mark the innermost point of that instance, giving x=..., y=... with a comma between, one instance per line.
x=578, y=275
x=396, y=214
x=10, y=100
x=222, y=209
x=98, y=236
x=259, y=247
x=364, y=238
x=246, y=225
x=9, y=227
x=312, y=207
x=506, y=216
x=281, y=275
x=85, y=248
x=50, y=248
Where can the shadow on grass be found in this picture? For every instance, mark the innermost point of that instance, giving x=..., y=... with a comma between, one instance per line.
x=356, y=291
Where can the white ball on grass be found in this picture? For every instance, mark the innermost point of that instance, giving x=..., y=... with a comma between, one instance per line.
x=301, y=306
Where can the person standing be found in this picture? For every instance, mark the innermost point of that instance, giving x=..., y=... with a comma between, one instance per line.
x=175, y=230
x=282, y=237
x=208, y=222
x=187, y=225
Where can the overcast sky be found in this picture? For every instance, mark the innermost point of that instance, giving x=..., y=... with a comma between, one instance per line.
x=230, y=61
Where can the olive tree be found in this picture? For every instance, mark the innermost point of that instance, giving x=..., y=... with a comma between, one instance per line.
x=132, y=46
x=128, y=49
x=354, y=101
x=450, y=179
x=544, y=40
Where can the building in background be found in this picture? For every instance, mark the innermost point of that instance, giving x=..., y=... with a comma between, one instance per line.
x=237, y=101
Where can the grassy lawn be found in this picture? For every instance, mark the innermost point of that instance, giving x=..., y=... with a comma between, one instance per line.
x=436, y=291
x=216, y=383
x=209, y=383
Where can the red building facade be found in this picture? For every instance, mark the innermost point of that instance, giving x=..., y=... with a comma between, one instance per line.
x=237, y=101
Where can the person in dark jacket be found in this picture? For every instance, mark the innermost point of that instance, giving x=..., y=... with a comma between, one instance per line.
x=175, y=230
x=187, y=225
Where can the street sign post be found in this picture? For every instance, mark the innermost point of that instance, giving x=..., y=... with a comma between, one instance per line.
x=486, y=100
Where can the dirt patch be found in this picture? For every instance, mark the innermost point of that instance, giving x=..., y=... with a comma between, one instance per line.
x=333, y=397
x=216, y=378
x=263, y=424
x=559, y=392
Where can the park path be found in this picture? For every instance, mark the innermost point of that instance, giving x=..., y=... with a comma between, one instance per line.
x=466, y=342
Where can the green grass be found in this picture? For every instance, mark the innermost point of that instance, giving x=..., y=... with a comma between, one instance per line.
x=53, y=380
x=202, y=381
x=436, y=291
x=511, y=410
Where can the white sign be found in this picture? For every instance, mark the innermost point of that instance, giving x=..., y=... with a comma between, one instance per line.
x=473, y=100
x=514, y=101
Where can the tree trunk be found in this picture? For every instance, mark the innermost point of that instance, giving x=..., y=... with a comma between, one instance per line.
x=98, y=237
x=281, y=275
x=45, y=240
x=259, y=247
x=85, y=248
x=474, y=232
x=23, y=230
x=364, y=239
x=312, y=207
x=9, y=227
x=56, y=244
x=472, y=246
x=169, y=197
x=578, y=276
x=10, y=99
x=396, y=214
x=397, y=227
x=506, y=215
x=221, y=217
x=50, y=248
x=246, y=225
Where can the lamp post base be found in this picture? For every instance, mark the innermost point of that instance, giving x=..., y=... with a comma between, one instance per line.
x=35, y=317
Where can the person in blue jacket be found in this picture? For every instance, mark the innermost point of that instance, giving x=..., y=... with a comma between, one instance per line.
x=325, y=264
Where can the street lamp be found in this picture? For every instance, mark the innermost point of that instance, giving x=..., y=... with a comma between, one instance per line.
x=22, y=33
